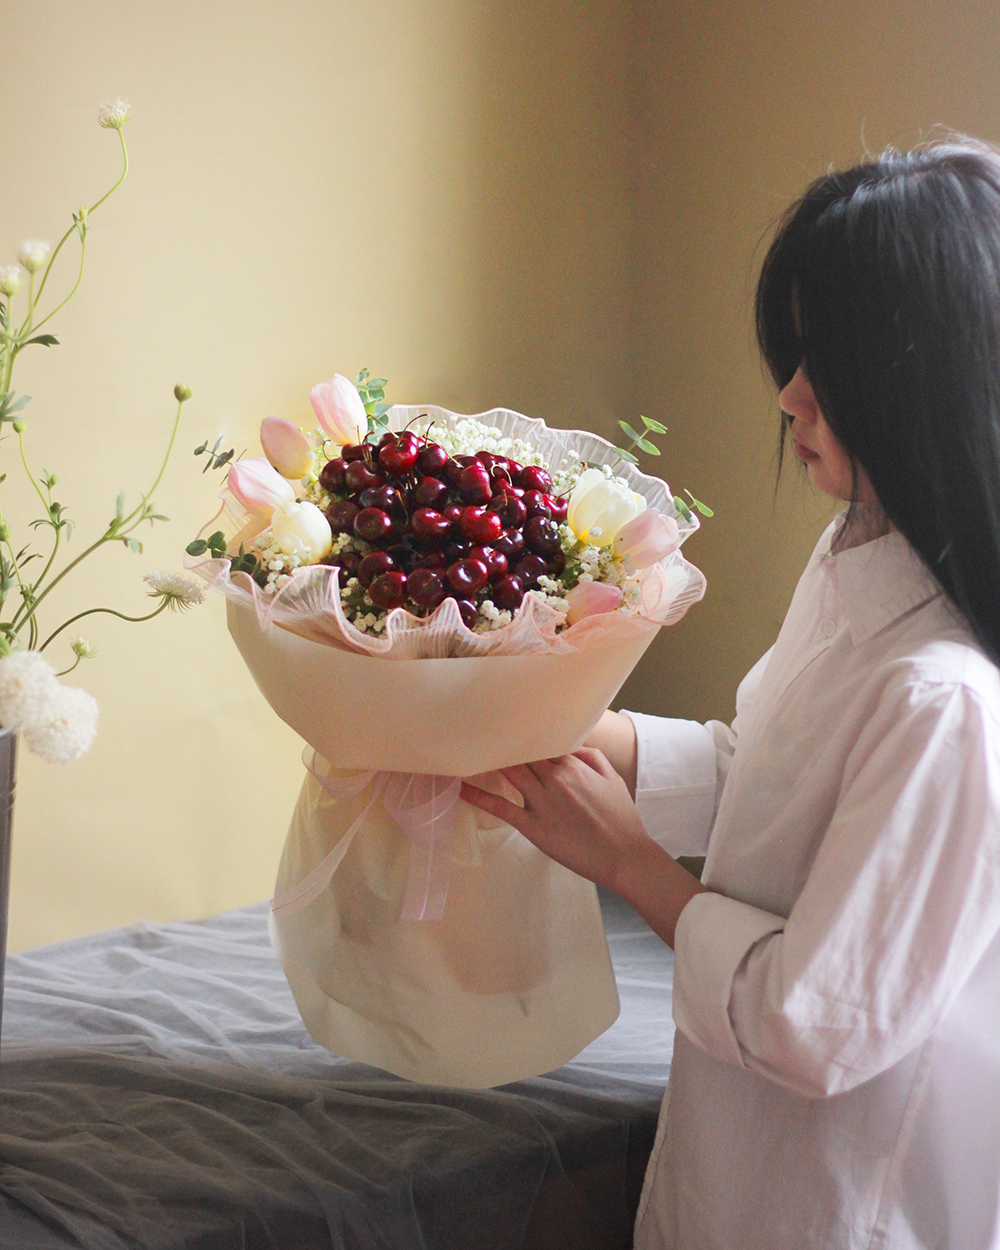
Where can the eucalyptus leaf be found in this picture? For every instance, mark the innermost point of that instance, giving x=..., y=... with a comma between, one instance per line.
x=682, y=508
x=655, y=426
x=120, y=505
x=626, y=455
x=46, y=340
x=649, y=448
x=197, y=548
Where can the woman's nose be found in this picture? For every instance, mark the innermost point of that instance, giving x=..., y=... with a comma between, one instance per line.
x=798, y=399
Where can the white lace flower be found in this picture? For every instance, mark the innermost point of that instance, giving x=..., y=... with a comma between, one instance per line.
x=10, y=279
x=114, y=114
x=33, y=254
x=180, y=591
x=69, y=730
x=84, y=648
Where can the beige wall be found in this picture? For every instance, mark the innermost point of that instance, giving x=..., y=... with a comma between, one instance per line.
x=552, y=206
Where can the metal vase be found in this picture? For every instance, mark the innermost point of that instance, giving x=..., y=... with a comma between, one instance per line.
x=8, y=780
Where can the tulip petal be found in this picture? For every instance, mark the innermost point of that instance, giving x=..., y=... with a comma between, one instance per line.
x=590, y=599
x=258, y=486
x=340, y=410
x=301, y=529
x=647, y=538
x=286, y=447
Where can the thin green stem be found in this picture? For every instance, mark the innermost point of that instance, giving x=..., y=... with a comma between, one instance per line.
x=108, y=611
x=71, y=667
x=24, y=461
x=163, y=467
x=76, y=287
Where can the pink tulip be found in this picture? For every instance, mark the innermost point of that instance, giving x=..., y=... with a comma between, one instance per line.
x=340, y=410
x=286, y=447
x=259, y=487
x=591, y=598
x=647, y=538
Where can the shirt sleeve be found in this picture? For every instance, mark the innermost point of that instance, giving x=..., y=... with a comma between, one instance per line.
x=899, y=906
x=682, y=766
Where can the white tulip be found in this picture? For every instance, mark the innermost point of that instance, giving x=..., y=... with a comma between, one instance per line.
x=301, y=529
x=598, y=508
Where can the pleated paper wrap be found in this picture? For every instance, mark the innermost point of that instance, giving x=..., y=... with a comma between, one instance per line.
x=417, y=933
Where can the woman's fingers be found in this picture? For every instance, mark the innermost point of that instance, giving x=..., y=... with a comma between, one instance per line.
x=495, y=804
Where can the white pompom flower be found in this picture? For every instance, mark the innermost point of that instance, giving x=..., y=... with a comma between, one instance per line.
x=10, y=279
x=114, y=114
x=33, y=254
x=57, y=722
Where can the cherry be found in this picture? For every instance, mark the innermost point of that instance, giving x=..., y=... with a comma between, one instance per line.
x=536, y=503
x=406, y=558
x=349, y=562
x=510, y=509
x=352, y=451
x=331, y=476
x=399, y=457
x=358, y=476
x=559, y=507
x=487, y=459
x=529, y=569
x=534, y=477
x=453, y=512
x=430, y=492
x=542, y=535
x=431, y=459
x=496, y=563
x=373, y=525
x=433, y=560
x=388, y=591
x=511, y=544
x=556, y=563
x=513, y=468
x=341, y=514
x=467, y=576
x=508, y=593
x=426, y=587
x=384, y=497
x=474, y=484
x=469, y=612
x=388, y=439
x=480, y=525
x=428, y=526
x=457, y=548
x=373, y=565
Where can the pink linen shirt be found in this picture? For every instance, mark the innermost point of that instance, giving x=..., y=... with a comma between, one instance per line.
x=836, y=1073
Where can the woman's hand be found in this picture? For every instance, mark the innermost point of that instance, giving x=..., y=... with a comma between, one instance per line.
x=577, y=809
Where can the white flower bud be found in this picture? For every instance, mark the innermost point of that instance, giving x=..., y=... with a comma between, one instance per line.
x=84, y=648
x=598, y=508
x=33, y=254
x=301, y=529
x=114, y=114
x=10, y=279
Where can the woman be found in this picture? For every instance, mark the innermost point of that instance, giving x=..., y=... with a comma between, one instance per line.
x=836, y=1075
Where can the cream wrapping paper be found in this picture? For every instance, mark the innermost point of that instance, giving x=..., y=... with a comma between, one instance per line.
x=417, y=933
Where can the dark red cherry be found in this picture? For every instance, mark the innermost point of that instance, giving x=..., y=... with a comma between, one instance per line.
x=510, y=509
x=536, y=503
x=388, y=439
x=508, y=593
x=373, y=525
x=511, y=544
x=453, y=512
x=433, y=560
x=556, y=563
x=426, y=587
x=351, y=452
x=431, y=459
x=358, y=476
x=480, y=525
x=374, y=565
x=398, y=458
x=341, y=514
x=534, y=477
x=384, y=497
x=469, y=612
x=559, y=508
x=542, y=536
x=407, y=558
x=496, y=564
x=514, y=469
x=529, y=569
x=487, y=459
x=457, y=547
x=388, y=591
x=474, y=484
x=349, y=562
x=331, y=476
x=430, y=492
x=428, y=526
x=466, y=577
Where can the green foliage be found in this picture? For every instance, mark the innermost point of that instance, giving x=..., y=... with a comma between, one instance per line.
x=216, y=459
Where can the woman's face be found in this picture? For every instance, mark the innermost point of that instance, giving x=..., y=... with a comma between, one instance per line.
x=816, y=445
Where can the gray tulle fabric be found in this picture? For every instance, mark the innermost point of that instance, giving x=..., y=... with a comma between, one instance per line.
x=158, y=1090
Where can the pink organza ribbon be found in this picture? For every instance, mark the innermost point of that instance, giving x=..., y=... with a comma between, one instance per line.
x=422, y=804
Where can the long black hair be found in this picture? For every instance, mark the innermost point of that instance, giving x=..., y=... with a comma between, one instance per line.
x=883, y=282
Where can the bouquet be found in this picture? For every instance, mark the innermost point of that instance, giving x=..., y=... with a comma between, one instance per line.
x=514, y=575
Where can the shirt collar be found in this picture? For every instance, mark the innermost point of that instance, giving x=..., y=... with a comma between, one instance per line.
x=879, y=582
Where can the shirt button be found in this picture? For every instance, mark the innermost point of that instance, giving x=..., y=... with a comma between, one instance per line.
x=828, y=628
